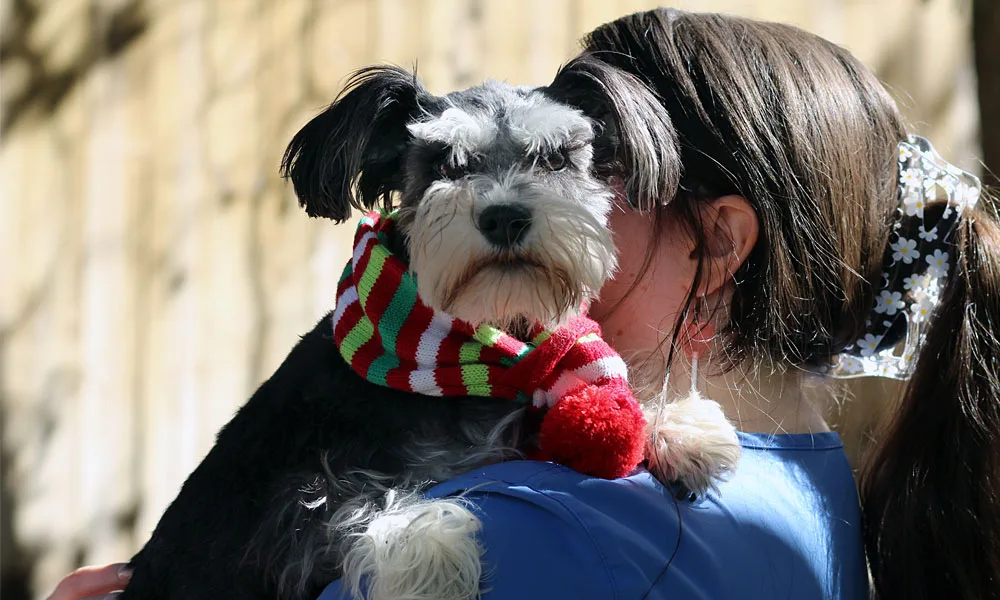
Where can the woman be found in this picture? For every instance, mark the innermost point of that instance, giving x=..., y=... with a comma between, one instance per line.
x=777, y=242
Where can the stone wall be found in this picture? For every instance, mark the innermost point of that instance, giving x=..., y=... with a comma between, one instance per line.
x=153, y=267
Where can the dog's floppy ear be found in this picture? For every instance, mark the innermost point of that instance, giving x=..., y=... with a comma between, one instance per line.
x=635, y=139
x=350, y=155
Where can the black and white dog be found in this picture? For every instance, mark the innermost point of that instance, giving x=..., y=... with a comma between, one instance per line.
x=319, y=475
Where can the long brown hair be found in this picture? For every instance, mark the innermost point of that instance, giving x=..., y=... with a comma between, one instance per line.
x=808, y=135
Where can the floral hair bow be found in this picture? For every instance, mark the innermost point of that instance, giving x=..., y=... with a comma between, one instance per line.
x=933, y=196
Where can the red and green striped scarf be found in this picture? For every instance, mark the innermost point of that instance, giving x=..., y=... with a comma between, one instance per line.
x=390, y=337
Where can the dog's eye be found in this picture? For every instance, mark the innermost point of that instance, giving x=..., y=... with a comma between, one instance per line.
x=450, y=171
x=555, y=161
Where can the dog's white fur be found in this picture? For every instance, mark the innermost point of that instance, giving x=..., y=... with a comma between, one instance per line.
x=416, y=549
x=537, y=124
x=546, y=127
x=569, y=242
x=690, y=440
x=464, y=133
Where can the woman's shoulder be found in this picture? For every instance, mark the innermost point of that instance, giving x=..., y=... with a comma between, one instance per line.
x=787, y=523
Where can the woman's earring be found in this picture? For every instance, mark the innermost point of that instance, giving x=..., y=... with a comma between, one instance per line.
x=700, y=336
x=690, y=440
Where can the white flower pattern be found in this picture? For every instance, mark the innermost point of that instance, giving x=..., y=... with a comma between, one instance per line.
x=938, y=263
x=909, y=178
x=930, y=189
x=922, y=310
x=905, y=250
x=911, y=291
x=927, y=236
x=852, y=365
x=913, y=205
x=868, y=344
x=889, y=302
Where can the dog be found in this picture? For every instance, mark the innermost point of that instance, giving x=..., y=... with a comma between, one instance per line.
x=503, y=196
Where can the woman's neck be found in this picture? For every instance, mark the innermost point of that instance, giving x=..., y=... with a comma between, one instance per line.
x=754, y=400
x=767, y=403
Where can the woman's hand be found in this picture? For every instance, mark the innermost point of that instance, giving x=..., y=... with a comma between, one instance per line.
x=93, y=582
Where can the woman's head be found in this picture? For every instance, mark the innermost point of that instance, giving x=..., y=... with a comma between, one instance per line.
x=781, y=125
x=802, y=131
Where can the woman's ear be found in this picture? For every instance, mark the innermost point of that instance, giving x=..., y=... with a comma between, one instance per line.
x=730, y=229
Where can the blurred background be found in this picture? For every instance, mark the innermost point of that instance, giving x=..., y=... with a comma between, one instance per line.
x=154, y=269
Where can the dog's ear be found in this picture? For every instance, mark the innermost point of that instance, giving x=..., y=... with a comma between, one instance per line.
x=635, y=138
x=350, y=155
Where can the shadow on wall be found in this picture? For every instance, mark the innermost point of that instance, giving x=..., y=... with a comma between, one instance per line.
x=36, y=83
x=986, y=46
x=31, y=82
x=15, y=560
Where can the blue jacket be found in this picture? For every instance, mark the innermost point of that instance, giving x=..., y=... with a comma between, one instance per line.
x=786, y=525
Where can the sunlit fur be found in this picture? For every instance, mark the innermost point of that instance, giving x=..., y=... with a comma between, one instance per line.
x=690, y=440
x=320, y=475
x=564, y=259
x=499, y=145
x=414, y=548
x=463, y=134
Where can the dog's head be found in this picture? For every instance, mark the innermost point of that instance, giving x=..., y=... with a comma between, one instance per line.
x=504, y=191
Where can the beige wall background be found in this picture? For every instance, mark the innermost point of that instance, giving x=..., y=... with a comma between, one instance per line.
x=153, y=267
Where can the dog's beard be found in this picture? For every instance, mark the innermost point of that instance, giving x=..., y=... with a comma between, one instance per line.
x=565, y=258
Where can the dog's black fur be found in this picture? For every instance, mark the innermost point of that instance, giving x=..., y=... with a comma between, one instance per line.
x=252, y=521
x=223, y=538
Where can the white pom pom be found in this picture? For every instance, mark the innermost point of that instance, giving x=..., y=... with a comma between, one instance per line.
x=691, y=441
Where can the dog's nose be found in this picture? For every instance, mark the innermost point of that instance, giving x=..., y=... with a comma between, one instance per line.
x=504, y=225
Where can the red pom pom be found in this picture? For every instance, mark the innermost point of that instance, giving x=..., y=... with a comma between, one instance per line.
x=597, y=431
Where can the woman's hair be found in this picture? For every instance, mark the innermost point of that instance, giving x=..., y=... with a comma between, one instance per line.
x=809, y=137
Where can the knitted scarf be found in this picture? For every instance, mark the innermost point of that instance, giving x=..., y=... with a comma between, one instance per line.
x=389, y=336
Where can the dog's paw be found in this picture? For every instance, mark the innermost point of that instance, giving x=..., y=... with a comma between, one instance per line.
x=692, y=442
x=417, y=549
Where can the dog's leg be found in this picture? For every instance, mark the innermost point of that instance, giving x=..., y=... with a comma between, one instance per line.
x=417, y=549
x=691, y=441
